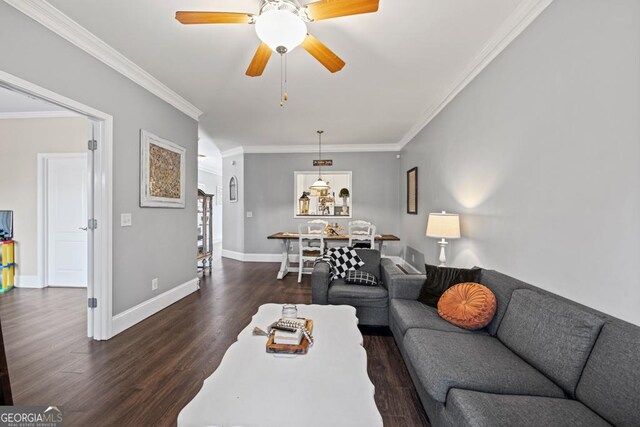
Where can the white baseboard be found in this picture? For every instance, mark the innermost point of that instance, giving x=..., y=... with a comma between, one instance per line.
x=240, y=256
x=28, y=282
x=137, y=314
x=264, y=257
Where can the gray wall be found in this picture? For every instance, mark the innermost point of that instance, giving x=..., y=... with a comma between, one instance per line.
x=540, y=154
x=162, y=242
x=233, y=213
x=270, y=194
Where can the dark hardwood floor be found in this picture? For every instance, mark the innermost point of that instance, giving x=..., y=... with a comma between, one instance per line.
x=147, y=374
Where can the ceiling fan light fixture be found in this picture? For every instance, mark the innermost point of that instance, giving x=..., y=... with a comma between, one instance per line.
x=281, y=28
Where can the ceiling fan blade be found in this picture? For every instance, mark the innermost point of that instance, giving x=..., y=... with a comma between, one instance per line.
x=322, y=53
x=327, y=9
x=259, y=61
x=214, y=18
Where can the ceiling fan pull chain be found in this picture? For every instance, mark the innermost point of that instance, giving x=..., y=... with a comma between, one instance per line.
x=286, y=95
x=281, y=80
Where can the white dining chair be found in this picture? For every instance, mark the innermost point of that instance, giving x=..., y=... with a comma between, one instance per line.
x=310, y=243
x=362, y=231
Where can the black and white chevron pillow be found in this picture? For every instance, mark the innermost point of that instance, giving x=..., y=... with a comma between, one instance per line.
x=356, y=277
x=344, y=259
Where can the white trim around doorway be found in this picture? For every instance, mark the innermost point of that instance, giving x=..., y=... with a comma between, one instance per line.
x=102, y=201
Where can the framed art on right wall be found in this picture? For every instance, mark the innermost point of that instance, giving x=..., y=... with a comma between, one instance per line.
x=412, y=191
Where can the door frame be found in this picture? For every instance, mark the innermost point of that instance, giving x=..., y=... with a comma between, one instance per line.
x=102, y=248
x=43, y=210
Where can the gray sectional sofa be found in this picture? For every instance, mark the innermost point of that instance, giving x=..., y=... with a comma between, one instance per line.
x=542, y=361
x=371, y=302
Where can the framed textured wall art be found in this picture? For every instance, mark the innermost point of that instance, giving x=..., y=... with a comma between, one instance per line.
x=412, y=191
x=162, y=172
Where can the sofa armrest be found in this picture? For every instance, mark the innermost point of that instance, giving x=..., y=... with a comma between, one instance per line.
x=398, y=283
x=320, y=283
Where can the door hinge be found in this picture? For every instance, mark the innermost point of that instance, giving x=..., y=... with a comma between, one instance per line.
x=92, y=224
x=92, y=302
x=93, y=145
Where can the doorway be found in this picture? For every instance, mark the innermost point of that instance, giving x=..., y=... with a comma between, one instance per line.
x=62, y=238
x=65, y=229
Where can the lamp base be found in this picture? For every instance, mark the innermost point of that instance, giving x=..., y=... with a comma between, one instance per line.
x=443, y=257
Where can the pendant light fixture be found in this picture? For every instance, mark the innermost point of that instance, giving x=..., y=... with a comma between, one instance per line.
x=320, y=184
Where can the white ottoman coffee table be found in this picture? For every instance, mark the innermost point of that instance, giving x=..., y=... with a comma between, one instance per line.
x=328, y=386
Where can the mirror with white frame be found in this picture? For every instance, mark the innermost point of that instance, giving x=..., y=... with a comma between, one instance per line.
x=334, y=202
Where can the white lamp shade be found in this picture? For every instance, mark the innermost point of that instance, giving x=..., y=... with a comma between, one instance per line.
x=443, y=226
x=281, y=28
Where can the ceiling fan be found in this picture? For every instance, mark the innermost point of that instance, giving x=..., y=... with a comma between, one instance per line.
x=281, y=27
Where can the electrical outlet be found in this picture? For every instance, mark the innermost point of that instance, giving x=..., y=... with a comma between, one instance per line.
x=413, y=258
x=154, y=284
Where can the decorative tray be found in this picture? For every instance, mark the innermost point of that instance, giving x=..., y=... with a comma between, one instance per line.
x=301, y=348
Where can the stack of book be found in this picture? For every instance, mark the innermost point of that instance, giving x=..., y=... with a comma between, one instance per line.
x=289, y=337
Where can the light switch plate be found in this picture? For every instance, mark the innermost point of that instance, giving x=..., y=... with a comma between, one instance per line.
x=125, y=220
x=249, y=214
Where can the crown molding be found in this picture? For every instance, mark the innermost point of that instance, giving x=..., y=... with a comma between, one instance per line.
x=52, y=18
x=338, y=148
x=517, y=22
x=39, y=115
x=232, y=152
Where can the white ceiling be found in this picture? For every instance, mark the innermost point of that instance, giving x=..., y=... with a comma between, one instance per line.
x=401, y=62
x=13, y=102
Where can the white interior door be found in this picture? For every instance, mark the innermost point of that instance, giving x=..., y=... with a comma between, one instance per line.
x=66, y=220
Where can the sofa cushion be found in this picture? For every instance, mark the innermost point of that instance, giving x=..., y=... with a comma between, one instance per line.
x=407, y=314
x=502, y=286
x=446, y=360
x=610, y=383
x=371, y=259
x=365, y=296
x=554, y=336
x=439, y=279
x=468, y=305
x=472, y=408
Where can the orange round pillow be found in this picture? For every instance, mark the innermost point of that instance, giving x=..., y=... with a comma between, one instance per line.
x=467, y=305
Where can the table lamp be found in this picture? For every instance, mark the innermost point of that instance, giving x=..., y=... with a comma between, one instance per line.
x=443, y=226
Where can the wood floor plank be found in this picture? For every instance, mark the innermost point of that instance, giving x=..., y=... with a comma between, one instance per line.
x=147, y=374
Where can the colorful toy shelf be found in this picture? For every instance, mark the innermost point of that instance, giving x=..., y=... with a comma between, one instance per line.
x=7, y=265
